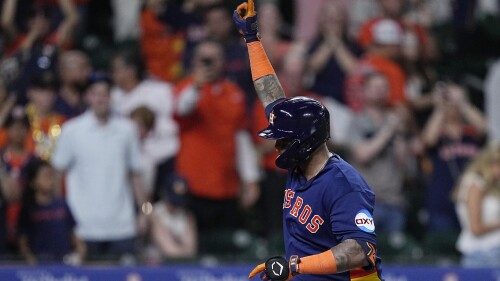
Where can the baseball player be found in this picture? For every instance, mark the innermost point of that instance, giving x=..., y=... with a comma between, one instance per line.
x=327, y=209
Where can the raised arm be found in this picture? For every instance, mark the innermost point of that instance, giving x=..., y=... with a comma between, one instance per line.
x=268, y=89
x=7, y=19
x=68, y=25
x=434, y=126
x=265, y=81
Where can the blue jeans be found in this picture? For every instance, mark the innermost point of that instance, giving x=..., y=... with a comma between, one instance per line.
x=489, y=258
x=111, y=247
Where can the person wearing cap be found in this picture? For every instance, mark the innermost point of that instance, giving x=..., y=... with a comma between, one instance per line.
x=381, y=56
x=173, y=225
x=396, y=10
x=100, y=155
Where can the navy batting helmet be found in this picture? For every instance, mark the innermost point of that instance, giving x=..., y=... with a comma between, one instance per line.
x=304, y=123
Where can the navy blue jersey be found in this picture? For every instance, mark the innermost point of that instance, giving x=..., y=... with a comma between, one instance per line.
x=335, y=205
x=48, y=229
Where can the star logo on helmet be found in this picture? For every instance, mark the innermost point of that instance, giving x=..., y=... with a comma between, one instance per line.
x=272, y=117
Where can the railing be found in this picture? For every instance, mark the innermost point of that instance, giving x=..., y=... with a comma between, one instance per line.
x=221, y=272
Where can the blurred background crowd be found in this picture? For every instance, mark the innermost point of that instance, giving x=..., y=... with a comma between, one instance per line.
x=105, y=105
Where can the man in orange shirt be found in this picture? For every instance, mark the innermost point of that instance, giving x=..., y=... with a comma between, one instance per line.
x=211, y=114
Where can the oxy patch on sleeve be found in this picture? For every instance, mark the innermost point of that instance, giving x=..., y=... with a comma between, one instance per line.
x=364, y=221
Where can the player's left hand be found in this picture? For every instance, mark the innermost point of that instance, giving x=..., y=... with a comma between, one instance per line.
x=274, y=269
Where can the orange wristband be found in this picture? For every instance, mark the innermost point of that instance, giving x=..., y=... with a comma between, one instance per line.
x=323, y=263
x=259, y=63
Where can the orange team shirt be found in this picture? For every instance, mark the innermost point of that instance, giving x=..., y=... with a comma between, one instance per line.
x=162, y=49
x=207, y=156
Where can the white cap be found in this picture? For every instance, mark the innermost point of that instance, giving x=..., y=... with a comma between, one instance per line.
x=387, y=32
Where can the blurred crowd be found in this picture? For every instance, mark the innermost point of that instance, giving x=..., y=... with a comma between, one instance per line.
x=128, y=127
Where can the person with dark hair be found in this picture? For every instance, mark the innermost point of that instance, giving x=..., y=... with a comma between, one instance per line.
x=15, y=156
x=205, y=119
x=381, y=56
x=46, y=224
x=173, y=225
x=74, y=70
x=131, y=90
x=55, y=32
x=453, y=135
x=34, y=32
x=379, y=150
x=45, y=122
x=328, y=225
x=219, y=28
x=129, y=57
x=99, y=152
x=332, y=54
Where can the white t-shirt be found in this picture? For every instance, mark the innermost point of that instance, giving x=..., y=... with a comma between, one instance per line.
x=467, y=241
x=98, y=159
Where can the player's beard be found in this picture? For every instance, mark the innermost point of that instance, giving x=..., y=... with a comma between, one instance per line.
x=282, y=144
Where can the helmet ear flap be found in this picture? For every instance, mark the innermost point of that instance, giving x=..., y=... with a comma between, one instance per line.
x=297, y=151
x=288, y=158
x=314, y=141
